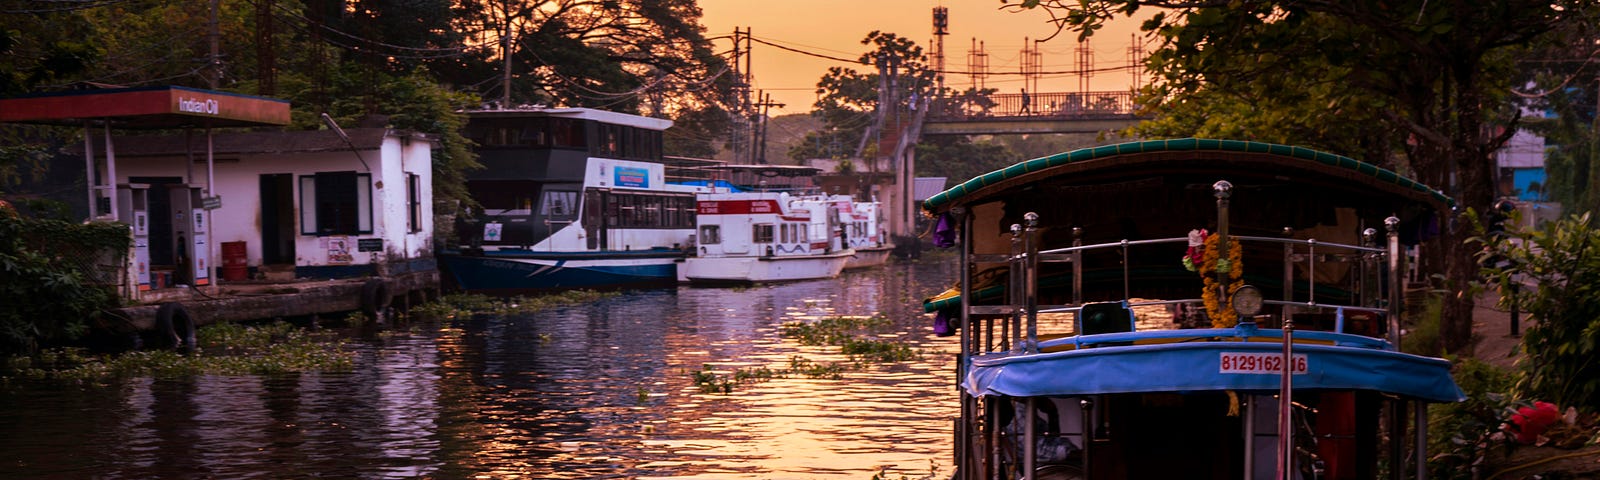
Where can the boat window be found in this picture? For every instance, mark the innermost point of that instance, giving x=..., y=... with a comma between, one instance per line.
x=652, y=212
x=504, y=197
x=567, y=133
x=710, y=234
x=761, y=233
x=559, y=205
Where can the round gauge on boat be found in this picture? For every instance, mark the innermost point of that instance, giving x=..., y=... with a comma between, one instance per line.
x=1247, y=300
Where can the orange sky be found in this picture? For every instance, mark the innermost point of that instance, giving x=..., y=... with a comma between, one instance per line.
x=836, y=27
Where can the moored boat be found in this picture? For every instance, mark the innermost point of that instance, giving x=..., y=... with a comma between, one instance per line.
x=571, y=198
x=863, y=223
x=1290, y=260
x=757, y=237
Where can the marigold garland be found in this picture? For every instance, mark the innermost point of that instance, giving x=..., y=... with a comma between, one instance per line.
x=1220, y=309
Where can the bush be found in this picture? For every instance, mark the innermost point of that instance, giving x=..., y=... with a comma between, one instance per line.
x=1461, y=435
x=1556, y=272
x=46, y=292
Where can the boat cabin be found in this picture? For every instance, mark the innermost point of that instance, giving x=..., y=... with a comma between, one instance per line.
x=1187, y=309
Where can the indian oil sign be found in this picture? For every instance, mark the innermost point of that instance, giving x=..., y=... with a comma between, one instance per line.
x=147, y=107
x=228, y=106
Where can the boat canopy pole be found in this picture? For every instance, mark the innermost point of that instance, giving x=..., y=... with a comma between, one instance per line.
x=1222, y=190
x=1030, y=281
x=963, y=437
x=1013, y=328
x=1395, y=292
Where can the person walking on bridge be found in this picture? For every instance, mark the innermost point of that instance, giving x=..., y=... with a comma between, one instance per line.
x=1025, y=101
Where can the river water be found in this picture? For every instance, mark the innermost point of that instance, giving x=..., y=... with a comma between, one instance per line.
x=604, y=390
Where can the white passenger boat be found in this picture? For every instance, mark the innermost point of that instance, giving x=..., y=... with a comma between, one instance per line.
x=572, y=198
x=755, y=237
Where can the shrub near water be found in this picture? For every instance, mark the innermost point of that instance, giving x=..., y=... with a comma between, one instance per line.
x=1557, y=271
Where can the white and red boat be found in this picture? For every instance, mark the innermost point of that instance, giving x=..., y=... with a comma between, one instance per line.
x=756, y=237
x=863, y=225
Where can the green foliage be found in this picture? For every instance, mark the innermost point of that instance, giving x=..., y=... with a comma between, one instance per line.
x=1422, y=338
x=1553, y=274
x=1462, y=434
x=225, y=349
x=48, y=291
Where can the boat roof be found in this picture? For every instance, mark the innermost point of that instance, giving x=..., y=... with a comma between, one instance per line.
x=615, y=118
x=1180, y=156
x=1195, y=360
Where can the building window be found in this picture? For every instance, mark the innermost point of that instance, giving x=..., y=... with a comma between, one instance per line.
x=336, y=203
x=710, y=234
x=413, y=203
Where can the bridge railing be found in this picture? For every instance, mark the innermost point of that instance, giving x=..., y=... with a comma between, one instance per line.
x=1046, y=105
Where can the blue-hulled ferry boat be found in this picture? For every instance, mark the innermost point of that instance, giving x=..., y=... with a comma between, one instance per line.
x=1287, y=266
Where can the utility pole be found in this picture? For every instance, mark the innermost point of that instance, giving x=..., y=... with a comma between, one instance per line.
x=505, y=63
x=761, y=120
x=266, y=54
x=741, y=134
x=213, y=65
x=941, y=27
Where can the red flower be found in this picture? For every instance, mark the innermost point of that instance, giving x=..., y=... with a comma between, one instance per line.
x=1530, y=422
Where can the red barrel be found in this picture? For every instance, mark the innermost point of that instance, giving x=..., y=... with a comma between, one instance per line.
x=235, y=261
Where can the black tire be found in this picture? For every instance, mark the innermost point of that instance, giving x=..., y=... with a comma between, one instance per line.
x=375, y=298
x=174, y=328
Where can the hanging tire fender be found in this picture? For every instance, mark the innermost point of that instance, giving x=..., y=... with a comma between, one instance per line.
x=174, y=328
x=375, y=297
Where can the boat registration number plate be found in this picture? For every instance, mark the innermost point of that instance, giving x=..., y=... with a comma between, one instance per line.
x=1261, y=363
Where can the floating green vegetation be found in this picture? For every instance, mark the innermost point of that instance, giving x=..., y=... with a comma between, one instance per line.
x=709, y=381
x=880, y=351
x=847, y=333
x=454, y=305
x=224, y=349
x=830, y=331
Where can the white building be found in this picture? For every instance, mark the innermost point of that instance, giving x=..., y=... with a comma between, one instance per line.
x=307, y=202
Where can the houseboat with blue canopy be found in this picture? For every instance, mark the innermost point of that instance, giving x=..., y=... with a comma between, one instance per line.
x=1187, y=308
x=570, y=198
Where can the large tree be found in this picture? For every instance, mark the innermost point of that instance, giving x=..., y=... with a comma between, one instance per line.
x=851, y=103
x=1437, y=72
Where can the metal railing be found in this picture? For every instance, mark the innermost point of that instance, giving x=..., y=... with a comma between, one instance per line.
x=1041, y=106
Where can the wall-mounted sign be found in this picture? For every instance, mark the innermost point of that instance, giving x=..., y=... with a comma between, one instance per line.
x=631, y=177
x=369, y=245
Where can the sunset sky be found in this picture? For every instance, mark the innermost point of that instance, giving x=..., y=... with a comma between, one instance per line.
x=836, y=28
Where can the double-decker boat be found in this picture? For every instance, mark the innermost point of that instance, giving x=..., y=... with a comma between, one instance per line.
x=1081, y=268
x=757, y=237
x=571, y=198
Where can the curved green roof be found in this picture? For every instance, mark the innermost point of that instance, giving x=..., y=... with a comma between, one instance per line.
x=948, y=197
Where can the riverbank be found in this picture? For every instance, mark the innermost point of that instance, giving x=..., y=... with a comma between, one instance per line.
x=1497, y=343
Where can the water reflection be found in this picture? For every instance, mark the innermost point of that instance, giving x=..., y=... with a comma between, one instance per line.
x=593, y=391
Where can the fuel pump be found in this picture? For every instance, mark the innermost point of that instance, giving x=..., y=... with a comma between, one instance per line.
x=135, y=201
x=190, y=250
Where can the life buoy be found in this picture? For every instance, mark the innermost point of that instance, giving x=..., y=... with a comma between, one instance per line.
x=174, y=328
x=375, y=297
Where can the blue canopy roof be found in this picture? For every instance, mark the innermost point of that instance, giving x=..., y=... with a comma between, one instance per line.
x=1204, y=363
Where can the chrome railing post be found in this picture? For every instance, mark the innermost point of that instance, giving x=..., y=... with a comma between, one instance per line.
x=1030, y=281
x=1223, y=191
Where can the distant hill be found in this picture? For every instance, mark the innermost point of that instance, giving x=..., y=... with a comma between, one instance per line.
x=786, y=130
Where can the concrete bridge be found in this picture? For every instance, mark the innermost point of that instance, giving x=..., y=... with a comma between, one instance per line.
x=1017, y=113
